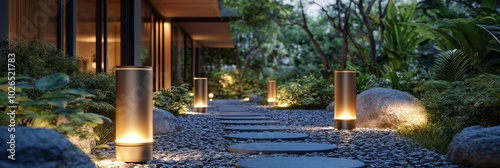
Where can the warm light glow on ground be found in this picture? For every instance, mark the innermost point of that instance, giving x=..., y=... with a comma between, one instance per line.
x=193, y=113
x=246, y=99
x=312, y=128
x=271, y=100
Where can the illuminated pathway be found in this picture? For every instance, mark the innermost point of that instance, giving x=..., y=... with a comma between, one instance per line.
x=204, y=142
x=276, y=147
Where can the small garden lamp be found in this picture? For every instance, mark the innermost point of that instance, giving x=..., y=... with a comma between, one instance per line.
x=211, y=96
x=271, y=92
x=200, y=95
x=134, y=113
x=345, y=100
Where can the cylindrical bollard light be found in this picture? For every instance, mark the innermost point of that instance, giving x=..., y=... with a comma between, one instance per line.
x=345, y=100
x=271, y=92
x=134, y=113
x=200, y=95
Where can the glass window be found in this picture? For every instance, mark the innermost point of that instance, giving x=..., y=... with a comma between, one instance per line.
x=114, y=33
x=86, y=34
x=146, y=34
x=33, y=19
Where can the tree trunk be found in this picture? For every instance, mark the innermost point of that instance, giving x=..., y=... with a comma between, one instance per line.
x=345, y=47
x=318, y=48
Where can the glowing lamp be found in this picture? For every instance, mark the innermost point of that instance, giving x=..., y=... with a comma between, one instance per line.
x=200, y=95
x=134, y=113
x=271, y=92
x=345, y=100
x=210, y=95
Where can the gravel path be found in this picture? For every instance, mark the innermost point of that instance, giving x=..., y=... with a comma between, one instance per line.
x=201, y=143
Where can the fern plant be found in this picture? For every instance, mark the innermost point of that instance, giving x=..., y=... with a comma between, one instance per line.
x=451, y=65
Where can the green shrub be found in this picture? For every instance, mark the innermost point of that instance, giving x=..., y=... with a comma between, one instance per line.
x=228, y=84
x=402, y=80
x=57, y=108
x=103, y=86
x=36, y=59
x=453, y=106
x=307, y=92
x=365, y=82
x=175, y=100
x=475, y=101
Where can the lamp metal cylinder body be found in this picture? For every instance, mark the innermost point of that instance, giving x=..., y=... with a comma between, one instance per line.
x=134, y=113
x=345, y=100
x=271, y=92
x=200, y=95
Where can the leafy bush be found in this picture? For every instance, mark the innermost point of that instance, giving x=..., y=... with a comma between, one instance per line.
x=225, y=84
x=228, y=84
x=365, y=81
x=36, y=59
x=175, y=100
x=307, y=92
x=103, y=86
x=453, y=106
x=57, y=108
x=475, y=101
x=403, y=80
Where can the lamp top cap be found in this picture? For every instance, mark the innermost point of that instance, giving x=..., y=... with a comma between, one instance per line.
x=134, y=68
x=345, y=71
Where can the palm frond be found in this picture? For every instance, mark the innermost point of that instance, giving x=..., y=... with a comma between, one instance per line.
x=451, y=65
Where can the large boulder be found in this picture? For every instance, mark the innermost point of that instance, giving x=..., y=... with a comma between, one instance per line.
x=39, y=147
x=476, y=146
x=255, y=98
x=388, y=108
x=164, y=122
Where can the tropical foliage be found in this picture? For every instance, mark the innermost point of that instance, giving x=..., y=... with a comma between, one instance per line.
x=58, y=107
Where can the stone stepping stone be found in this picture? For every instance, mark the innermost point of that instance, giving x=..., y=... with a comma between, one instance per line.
x=299, y=162
x=244, y=118
x=250, y=122
x=267, y=136
x=233, y=110
x=257, y=128
x=238, y=115
x=223, y=113
x=282, y=147
x=230, y=108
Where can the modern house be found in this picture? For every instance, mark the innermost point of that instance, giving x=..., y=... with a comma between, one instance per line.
x=168, y=35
